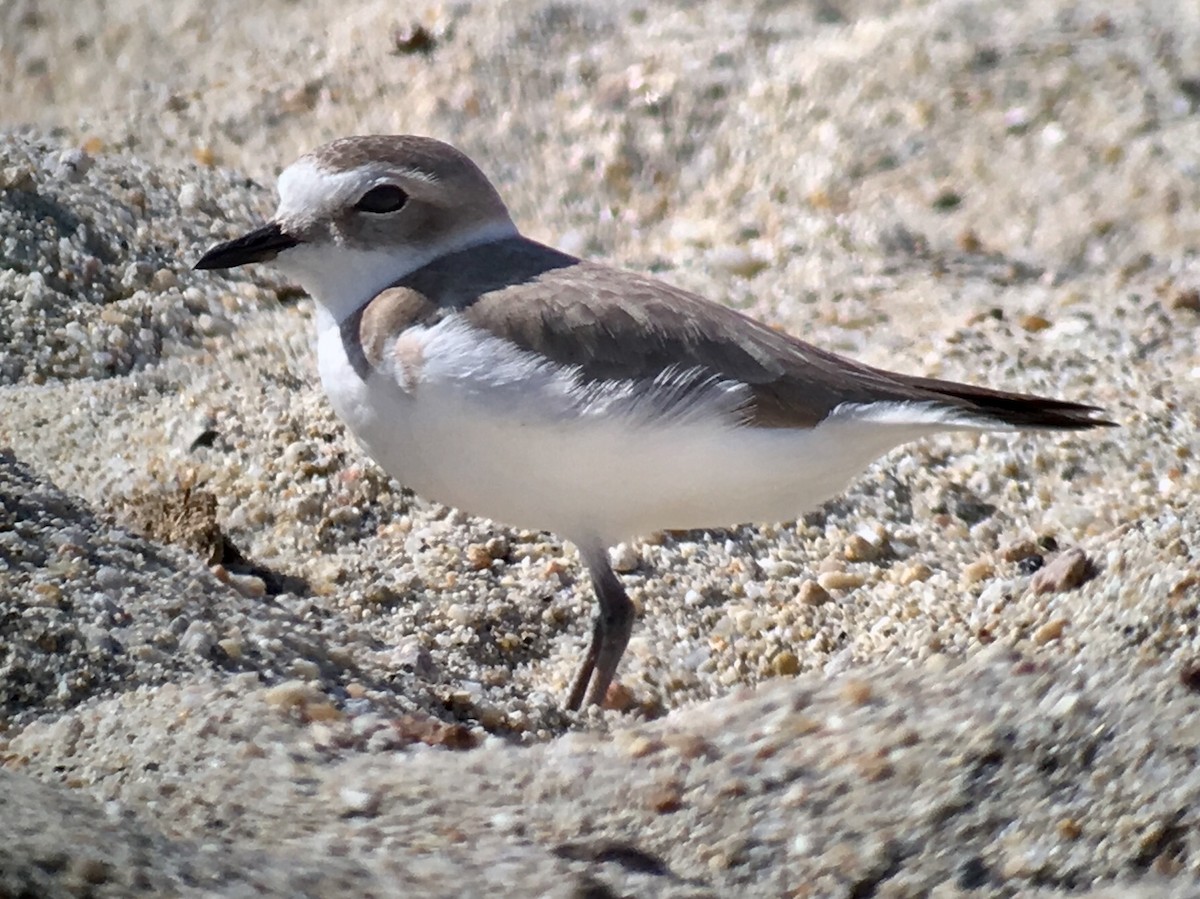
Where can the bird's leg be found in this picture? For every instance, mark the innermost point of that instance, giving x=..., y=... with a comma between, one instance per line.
x=610, y=632
x=579, y=687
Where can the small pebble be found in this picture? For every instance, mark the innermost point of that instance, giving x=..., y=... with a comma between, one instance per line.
x=359, y=802
x=624, y=558
x=198, y=638
x=164, y=279
x=977, y=571
x=812, y=594
x=72, y=164
x=1188, y=299
x=666, y=799
x=785, y=664
x=1017, y=550
x=619, y=698
x=1065, y=572
x=857, y=691
x=1070, y=829
x=478, y=557
x=1050, y=631
x=875, y=766
x=915, y=573
x=737, y=261
x=323, y=711
x=642, y=746
x=859, y=549
x=840, y=580
x=292, y=694
x=189, y=196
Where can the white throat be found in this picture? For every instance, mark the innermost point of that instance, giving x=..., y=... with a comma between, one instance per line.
x=341, y=279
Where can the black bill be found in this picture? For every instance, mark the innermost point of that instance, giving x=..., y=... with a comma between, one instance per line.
x=260, y=245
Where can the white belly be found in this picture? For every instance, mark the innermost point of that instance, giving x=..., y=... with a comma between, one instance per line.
x=497, y=439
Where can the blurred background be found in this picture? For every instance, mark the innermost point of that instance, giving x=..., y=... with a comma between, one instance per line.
x=1059, y=136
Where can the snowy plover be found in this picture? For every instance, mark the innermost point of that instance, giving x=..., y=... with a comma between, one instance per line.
x=495, y=374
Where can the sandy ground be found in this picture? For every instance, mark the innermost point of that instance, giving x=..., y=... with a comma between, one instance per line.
x=235, y=659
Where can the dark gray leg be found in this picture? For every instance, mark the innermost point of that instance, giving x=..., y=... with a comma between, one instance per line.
x=610, y=633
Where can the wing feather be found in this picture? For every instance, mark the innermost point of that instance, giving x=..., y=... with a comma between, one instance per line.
x=616, y=326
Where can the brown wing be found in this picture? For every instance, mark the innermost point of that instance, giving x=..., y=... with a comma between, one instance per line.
x=613, y=324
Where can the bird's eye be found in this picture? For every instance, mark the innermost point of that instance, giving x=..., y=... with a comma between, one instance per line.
x=381, y=199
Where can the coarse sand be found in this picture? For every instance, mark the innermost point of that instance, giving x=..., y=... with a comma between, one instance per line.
x=237, y=660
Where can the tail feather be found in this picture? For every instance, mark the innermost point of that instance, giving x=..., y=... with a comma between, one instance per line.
x=1017, y=410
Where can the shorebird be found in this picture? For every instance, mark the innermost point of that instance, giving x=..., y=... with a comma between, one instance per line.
x=489, y=372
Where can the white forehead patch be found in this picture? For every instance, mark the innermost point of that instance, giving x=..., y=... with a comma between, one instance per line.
x=307, y=190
